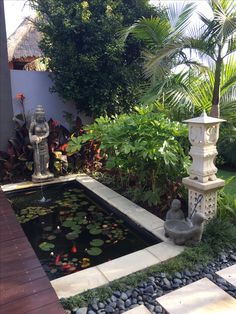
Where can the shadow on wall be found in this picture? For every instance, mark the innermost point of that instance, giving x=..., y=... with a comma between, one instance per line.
x=35, y=86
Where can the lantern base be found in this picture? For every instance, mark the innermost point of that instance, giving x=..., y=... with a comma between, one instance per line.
x=208, y=190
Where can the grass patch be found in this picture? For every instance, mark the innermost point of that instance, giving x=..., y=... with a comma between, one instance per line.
x=230, y=178
x=219, y=235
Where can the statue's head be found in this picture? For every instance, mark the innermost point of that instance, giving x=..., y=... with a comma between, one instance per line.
x=39, y=114
x=175, y=204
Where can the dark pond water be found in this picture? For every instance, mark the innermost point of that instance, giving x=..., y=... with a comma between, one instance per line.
x=70, y=232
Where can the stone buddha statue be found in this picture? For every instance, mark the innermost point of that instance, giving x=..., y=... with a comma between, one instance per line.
x=38, y=133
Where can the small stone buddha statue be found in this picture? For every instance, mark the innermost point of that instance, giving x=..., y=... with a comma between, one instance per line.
x=38, y=133
x=175, y=212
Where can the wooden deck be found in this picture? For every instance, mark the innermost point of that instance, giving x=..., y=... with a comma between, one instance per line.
x=24, y=286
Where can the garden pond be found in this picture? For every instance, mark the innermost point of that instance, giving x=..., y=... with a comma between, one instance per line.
x=70, y=232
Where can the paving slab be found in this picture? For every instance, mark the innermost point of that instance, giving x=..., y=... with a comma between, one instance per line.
x=78, y=282
x=127, y=264
x=229, y=274
x=200, y=297
x=164, y=251
x=138, y=310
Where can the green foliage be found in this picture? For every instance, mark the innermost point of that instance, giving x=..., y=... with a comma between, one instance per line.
x=230, y=184
x=17, y=162
x=219, y=235
x=226, y=205
x=227, y=144
x=90, y=66
x=46, y=246
x=94, y=251
x=146, y=150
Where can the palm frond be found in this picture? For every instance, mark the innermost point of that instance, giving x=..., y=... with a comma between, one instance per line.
x=228, y=76
x=157, y=63
x=152, y=31
x=179, y=17
x=201, y=48
x=223, y=24
x=231, y=45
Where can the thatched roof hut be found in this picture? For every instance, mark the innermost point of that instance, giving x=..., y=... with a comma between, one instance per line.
x=23, y=45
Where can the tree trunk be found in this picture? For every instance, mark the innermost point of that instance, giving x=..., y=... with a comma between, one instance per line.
x=215, y=109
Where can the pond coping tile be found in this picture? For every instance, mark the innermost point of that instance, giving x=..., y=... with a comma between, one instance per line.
x=78, y=282
x=133, y=211
x=128, y=264
x=29, y=184
x=164, y=251
x=102, y=274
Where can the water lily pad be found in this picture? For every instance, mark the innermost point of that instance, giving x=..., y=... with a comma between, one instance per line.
x=94, y=251
x=95, y=231
x=91, y=208
x=81, y=214
x=46, y=246
x=96, y=242
x=74, y=260
x=76, y=228
x=51, y=237
x=68, y=223
x=84, y=203
x=92, y=226
x=48, y=228
x=72, y=235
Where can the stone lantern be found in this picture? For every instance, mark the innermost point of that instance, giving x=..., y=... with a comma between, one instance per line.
x=202, y=183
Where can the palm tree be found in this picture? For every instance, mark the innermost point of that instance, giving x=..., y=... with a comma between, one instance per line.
x=167, y=42
x=188, y=93
x=218, y=41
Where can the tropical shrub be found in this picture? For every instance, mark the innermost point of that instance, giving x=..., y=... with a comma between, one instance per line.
x=17, y=162
x=226, y=206
x=144, y=150
x=227, y=145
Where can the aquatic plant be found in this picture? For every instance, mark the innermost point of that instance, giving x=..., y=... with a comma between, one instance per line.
x=46, y=246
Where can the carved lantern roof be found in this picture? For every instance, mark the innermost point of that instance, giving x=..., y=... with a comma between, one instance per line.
x=204, y=119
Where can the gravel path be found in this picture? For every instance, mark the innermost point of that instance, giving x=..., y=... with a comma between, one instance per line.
x=156, y=286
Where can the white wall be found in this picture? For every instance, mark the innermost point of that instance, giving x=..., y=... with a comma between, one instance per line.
x=35, y=87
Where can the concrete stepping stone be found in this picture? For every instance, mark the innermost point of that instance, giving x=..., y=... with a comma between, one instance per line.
x=141, y=309
x=200, y=297
x=229, y=274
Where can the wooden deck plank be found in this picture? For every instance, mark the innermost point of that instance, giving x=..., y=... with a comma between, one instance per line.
x=7, y=247
x=16, y=245
x=8, y=282
x=24, y=286
x=29, y=303
x=16, y=267
x=24, y=290
x=53, y=308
